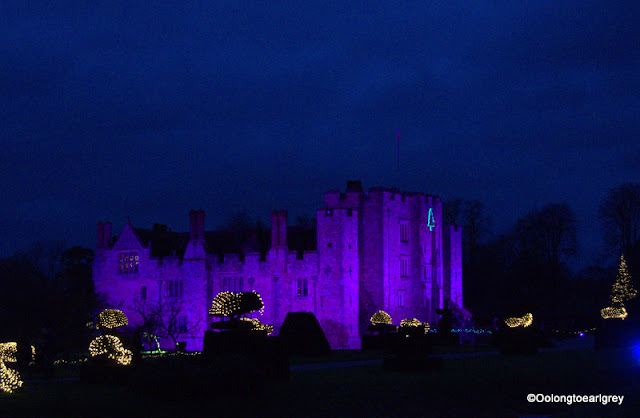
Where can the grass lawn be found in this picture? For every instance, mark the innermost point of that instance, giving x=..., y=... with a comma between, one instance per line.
x=477, y=386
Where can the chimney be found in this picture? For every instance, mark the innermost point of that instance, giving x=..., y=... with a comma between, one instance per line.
x=100, y=235
x=196, y=221
x=106, y=237
x=278, y=228
x=354, y=186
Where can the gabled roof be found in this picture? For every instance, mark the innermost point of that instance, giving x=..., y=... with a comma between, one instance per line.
x=166, y=243
x=163, y=243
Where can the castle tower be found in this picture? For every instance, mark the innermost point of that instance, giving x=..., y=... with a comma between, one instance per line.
x=338, y=282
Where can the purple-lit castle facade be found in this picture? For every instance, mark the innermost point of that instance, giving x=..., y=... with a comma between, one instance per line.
x=376, y=250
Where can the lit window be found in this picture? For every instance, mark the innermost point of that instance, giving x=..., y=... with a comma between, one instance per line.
x=303, y=289
x=404, y=231
x=128, y=262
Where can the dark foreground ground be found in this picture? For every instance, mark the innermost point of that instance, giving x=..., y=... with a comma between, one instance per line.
x=484, y=385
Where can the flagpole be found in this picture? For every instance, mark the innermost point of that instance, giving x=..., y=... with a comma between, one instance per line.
x=398, y=152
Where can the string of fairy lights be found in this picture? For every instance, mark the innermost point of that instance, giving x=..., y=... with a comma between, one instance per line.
x=621, y=292
x=523, y=322
x=225, y=304
x=10, y=378
x=614, y=312
x=230, y=304
x=110, y=345
x=381, y=317
x=258, y=326
x=112, y=318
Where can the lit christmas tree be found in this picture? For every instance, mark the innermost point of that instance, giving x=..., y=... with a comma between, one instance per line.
x=623, y=289
x=621, y=292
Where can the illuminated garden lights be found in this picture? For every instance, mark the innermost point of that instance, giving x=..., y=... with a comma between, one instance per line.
x=623, y=289
x=415, y=323
x=225, y=304
x=258, y=326
x=523, y=322
x=234, y=305
x=380, y=317
x=621, y=292
x=614, y=312
x=9, y=352
x=9, y=378
x=112, y=318
x=111, y=346
x=410, y=323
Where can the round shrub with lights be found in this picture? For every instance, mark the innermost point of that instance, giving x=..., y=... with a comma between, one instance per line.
x=110, y=346
x=381, y=318
x=111, y=318
x=234, y=305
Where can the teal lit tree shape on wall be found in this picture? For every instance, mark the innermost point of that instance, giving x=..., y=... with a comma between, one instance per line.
x=431, y=221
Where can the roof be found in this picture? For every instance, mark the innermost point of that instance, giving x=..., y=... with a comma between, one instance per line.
x=165, y=243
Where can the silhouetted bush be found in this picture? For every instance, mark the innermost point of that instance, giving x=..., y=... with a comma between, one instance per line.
x=302, y=335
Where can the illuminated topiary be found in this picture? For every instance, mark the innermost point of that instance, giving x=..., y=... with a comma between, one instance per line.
x=9, y=378
x=225, y=304
x=112, y=318
x=9, y=352
x=414, y=322
x=613, y=312
x=259, y=326
x=380, y=317
x=621, y=292
x=234, y=305
x=111, y=347
x=413, y=326
x=523, y=322
x=623, y=289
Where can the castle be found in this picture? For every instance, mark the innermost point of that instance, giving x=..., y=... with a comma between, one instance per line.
x=369, y=251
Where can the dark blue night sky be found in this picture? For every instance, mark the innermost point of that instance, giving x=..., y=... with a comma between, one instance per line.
x=149, y=111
